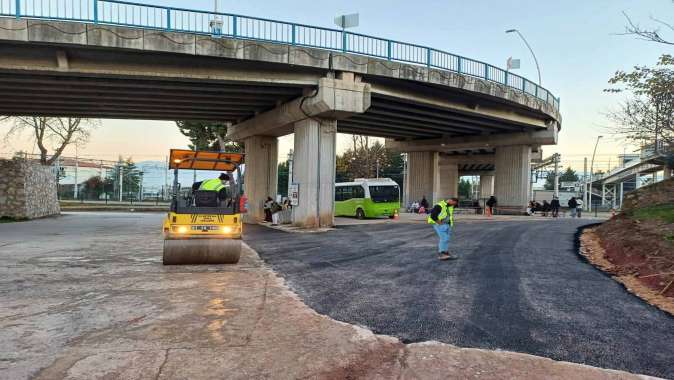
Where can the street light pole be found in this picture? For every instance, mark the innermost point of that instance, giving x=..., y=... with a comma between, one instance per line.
x=538, y=68
x=589, y=204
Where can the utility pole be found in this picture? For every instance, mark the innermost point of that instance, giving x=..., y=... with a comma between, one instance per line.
x=377, y=167
x=290, y=171
x=76, y=180
x=557, y=175
x=589, y=205
x=121, y=182
x=585, y=182
x=140, y=187
x=166, y=184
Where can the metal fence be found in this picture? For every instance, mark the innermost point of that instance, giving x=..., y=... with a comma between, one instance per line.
x=124, y=13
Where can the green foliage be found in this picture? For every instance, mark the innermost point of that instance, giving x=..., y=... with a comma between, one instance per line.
x=661, y=212
x=569, y=175
x=360, y=161
x=205, y=135
x=648, y=115
x=465, y=188
x=131, y=178
x=94, y=187
x=283, y=179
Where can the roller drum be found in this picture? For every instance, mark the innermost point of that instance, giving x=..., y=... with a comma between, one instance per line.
x=202, y=251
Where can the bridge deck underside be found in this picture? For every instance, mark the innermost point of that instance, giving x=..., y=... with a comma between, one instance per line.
x=133, y=98
x=404, y=119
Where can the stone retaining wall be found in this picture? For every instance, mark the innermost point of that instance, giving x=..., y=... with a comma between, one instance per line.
x=27, y=190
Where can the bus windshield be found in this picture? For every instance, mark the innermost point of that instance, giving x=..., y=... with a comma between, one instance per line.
x=381, y=194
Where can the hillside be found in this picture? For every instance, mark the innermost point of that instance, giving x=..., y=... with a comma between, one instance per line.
x=637, y=246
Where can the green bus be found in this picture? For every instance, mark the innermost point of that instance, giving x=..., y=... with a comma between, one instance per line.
x=367, y=198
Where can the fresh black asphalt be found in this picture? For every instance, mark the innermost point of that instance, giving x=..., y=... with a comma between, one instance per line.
x=518, y=286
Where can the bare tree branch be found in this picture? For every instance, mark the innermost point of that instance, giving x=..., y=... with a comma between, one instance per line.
x=646, y=34
x=50, y=132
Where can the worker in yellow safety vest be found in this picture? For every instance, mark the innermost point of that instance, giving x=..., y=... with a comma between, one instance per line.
x=216, y=184
x=442, y=220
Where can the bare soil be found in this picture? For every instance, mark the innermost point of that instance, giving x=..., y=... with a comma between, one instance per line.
x=639, y=253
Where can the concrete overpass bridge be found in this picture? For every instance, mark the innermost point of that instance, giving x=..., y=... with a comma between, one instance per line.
x=113, y=59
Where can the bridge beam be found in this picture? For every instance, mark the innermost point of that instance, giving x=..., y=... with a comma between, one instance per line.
x=547, y=136
x=335, y=98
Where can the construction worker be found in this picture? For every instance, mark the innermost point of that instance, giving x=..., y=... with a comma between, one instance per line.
x=442, y=220
x=216, y=184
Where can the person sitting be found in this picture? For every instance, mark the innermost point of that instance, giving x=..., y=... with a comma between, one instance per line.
x=218, y=185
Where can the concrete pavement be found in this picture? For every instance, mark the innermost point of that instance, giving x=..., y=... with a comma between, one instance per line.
x=85, y=296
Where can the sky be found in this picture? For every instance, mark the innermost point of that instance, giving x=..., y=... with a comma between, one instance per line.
x=577, y=44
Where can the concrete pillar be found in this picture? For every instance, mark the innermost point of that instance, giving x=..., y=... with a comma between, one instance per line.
x=423, y=176
x=486, y=186
x=314, y=171
x=261, y=173
x=513, y=175
x=667, y=172
x=449, y=180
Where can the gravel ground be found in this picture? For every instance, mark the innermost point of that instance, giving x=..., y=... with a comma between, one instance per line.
x=518, y=286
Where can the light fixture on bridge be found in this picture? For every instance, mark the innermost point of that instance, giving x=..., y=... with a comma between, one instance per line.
x=347, y=21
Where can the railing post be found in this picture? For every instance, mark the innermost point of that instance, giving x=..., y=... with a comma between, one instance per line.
x=18, y=9
x=536, y=91
x=343, y=41
x=292, y=30
x=95, y=11
x=459, y=64
x=506, y=77
x=486, y=71
x=428, y=57
x=168, y=18
x=389, y=48
x=524, y=85
x=234, y=31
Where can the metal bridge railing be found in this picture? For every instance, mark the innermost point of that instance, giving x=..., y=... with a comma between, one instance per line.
x=123, y=13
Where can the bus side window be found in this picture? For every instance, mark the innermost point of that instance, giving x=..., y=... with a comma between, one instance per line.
x=347, y=193
x=358, y=192
x=339, y=194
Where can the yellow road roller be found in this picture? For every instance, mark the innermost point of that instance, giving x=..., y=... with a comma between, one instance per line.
x=204, y=223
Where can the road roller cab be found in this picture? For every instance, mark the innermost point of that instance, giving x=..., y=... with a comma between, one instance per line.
x=204, y=226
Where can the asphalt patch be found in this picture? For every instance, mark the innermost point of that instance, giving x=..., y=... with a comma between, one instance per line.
x=517, y=286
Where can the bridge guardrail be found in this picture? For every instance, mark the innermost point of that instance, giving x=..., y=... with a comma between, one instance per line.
x=124, y=13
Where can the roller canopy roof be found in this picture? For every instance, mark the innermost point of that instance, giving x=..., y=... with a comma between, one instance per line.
x=203, y=160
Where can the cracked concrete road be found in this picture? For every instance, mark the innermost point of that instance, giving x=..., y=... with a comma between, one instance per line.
x=85, y=296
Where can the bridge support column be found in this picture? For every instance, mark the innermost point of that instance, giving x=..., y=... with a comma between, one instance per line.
x=314, y=171
x=423, y=176
x=449, y=180
x=486, y=186
x=667, y=172
x=260, y=179
x=513, y=175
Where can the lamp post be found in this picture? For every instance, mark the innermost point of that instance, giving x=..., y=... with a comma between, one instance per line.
x=589, y=203
x=530, y=49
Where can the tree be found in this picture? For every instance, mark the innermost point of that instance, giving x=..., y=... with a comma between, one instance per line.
x=649, y=34
x=53, y=133
x=648, y=115
x=465, y=189
x=282, y=183
x=569, y=175
x=94, y=187
x=131, y=177
x=206, y=135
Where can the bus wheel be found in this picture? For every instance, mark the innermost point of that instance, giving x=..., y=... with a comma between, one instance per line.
x=360, y=214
